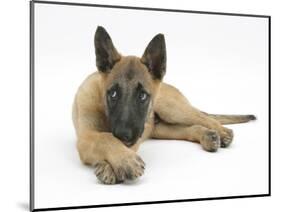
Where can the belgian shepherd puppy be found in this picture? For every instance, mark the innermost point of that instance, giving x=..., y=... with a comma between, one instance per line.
x=126, y=102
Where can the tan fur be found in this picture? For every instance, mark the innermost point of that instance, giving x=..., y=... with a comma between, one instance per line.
x=96, y=145
x=176, y=119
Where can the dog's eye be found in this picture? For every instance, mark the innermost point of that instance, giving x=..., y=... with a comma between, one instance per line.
x=113, y=94
x=143, y=96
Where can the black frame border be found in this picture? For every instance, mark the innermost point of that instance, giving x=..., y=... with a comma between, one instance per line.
x=31, y=105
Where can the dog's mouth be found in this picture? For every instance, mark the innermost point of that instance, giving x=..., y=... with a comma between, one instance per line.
x=128, y=137
x=132, y=142
x=128, y=144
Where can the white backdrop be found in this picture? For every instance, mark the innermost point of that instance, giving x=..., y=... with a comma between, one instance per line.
x=14, y=108
x=219, y=62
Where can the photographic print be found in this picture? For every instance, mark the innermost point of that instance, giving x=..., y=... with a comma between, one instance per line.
x=143, y=105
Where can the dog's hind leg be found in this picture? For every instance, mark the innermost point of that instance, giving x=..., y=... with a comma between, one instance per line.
x=173, y=108
x=209, y=139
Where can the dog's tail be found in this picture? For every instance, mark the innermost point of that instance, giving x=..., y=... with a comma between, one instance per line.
x=231, y=119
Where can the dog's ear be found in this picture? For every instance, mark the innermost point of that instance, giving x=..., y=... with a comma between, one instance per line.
x=154, y=57
x=106, y=54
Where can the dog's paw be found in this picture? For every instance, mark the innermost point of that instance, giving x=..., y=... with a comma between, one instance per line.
x=105, y=173
x=122, y=167
x=210, y=141
x=128, y=166
x=226, y=138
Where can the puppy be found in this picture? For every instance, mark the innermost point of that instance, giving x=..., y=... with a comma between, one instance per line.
x=126, y=102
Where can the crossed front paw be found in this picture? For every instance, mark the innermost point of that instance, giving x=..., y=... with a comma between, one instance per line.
x=122, y=168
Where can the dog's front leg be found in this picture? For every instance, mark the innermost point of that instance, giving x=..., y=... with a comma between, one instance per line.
x=112, y=160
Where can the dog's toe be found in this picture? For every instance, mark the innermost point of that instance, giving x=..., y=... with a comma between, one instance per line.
x=227, y=138
x=105, y=173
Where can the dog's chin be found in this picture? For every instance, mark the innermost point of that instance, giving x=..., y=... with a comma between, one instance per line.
x=129, y=143
x=134, y=141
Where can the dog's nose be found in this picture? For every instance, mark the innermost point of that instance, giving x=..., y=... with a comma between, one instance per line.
x=123, y=134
